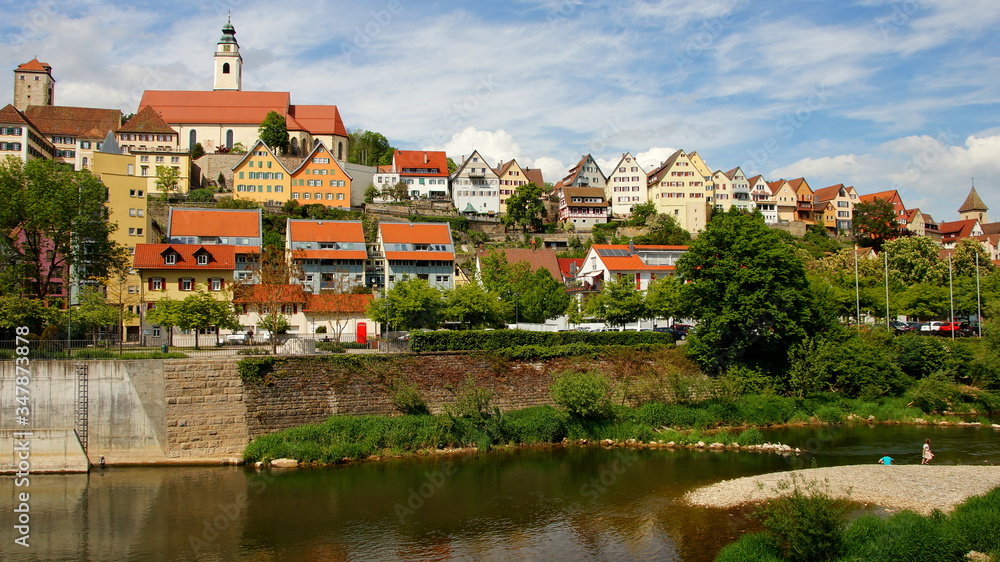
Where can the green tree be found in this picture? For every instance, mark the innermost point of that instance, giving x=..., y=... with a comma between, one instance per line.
x=452, y=166
x=473, y=307
x=747, y=289
x=874, y=223
x=238, y=148
x=200, y=311
x=540, y=297
x=915, y=259
x=371, y=192
x=53, y=224
x=663, y=298
x=166, y=314
x=618, y=303
x=274, y=132
x=641, y=213
x=410, y=304
x=94, y=313
x=665, y=230
x=964, y=259
x=369, y=148
x=924, y=301
x=525, y=208
x=21, y=311
x=397, y=192
x=197, y=151
x=167, y=179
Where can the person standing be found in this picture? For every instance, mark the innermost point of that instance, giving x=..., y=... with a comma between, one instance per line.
x=927, y=455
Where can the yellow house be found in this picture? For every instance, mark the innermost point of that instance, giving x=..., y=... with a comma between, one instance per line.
x=176, y=271
x=803, y=198
x=154, y=145
x=678, y=189
x=785, y=199
x=321, y=179
x=262, y=176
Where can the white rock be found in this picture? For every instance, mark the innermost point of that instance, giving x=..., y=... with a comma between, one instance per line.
x=284, y=463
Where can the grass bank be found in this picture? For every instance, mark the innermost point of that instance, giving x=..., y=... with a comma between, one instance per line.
x=342, y=438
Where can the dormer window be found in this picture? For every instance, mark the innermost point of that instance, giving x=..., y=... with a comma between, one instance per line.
x=203, y=259
x=170, y=259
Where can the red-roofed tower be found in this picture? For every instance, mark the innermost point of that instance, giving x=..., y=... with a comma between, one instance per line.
x=33, y=84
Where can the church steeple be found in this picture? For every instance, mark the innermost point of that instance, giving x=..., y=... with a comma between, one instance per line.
x=974, y=208
x=228, y=61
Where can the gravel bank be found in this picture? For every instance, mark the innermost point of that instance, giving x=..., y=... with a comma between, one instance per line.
x=914, y=487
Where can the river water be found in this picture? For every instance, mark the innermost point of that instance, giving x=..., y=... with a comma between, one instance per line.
x=575, y=503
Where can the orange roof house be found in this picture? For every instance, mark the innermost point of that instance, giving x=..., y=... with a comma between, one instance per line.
x=641, y=263
x=238, y=227
x=331, y=254
x=421, y=250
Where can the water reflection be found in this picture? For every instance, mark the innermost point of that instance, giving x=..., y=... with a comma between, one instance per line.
x=554, y=504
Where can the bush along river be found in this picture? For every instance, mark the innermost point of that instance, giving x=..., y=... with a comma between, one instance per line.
x=555, y=503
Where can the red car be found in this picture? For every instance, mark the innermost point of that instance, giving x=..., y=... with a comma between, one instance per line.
x=949, y=328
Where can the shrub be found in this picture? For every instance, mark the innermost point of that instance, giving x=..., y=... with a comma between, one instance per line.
x=468, y=340
x=200, y=195
x=806, y=522
x=751, y=436
x=935, y=393
x=471, y=400
x=541, y=424
x=758, y=547
x=977, y=521
x=586, y=395
x=919, y=356
x=904, y=537
x=830, y=414
x=406, y=398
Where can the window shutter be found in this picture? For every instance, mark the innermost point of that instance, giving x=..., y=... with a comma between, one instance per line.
x=180, y=284
x=150, y=283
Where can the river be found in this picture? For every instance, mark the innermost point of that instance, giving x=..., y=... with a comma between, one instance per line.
x=575, y=503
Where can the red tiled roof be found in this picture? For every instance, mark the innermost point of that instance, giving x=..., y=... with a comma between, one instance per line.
x=214, y=222
x=410, y=233
x=957, y=229
x=797, y=183
x=631, y=263
x=421, y=159
x=10, y=114
x=536, y=259
x=565, y=263
x=325, y=231
x=284, y=294
x=34, y=65
x=588, y=192
x=534, y=175
x=151, y=256
x=337, y=303
x=776, y=186
x=146, y=121
x=73, y=121
x=319, y=119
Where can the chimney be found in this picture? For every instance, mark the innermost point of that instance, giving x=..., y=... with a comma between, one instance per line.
x=572, y=269
x=631, y=246
x=426, y=158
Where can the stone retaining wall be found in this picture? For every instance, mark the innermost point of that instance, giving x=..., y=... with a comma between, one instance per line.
x=206, y=414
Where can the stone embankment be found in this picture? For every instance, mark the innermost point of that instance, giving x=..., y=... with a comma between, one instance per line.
x=920, y=488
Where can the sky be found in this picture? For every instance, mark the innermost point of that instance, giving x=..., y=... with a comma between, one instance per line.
x=875, y=94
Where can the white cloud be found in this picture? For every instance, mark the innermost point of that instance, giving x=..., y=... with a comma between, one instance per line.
x=494, y=146
x=552, y=170
x=930, y=173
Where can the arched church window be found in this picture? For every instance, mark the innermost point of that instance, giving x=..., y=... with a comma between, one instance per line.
x=340, y=150
x=225, y=68
x=192, y=138
x=229, y=138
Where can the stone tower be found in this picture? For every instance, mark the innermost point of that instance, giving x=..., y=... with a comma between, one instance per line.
x=33, y=84
x=974, y=208
x=228, y=61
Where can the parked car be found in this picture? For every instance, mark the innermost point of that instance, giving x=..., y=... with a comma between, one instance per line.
x=901, y=327
x=972, y=330
x=931, y=326
x=247, y=338
x=947, y=328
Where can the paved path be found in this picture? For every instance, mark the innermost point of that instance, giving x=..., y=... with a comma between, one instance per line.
x=914, y=487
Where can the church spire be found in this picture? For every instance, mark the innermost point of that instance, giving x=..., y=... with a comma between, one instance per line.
x=973, y=208
x=228, y=61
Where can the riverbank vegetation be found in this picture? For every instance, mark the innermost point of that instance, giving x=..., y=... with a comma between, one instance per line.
x=806, y=524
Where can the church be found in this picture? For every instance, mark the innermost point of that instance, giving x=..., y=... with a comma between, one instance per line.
x=227, y=114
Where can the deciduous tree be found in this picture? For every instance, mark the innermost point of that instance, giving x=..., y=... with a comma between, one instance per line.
x=525, y=208
x=874, y=223
x=618, y=303
x=274, y=132
x=410, y=304
x=369, y=148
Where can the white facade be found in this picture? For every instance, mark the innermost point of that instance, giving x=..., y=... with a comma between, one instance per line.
x=762, y=199
x=626, y=186
x=476, y=187
x=644, y=264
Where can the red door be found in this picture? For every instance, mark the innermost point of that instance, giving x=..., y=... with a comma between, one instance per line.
x=362, y=333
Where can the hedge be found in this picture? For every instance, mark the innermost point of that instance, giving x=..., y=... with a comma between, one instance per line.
x=445, y=340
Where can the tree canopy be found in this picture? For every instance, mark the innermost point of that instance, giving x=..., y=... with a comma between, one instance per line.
x=54, y=222
x=618, y=303
x=369, y=148
x=274, y=132
x=526, y=208
x=410, y=304
x=875, y=223
x=747, y=289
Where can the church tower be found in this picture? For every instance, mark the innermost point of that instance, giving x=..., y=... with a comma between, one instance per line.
x=974, y=208
x=228, y=62
x=33, y=84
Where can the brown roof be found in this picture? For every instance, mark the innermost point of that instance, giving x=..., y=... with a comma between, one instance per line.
x=421, y=159
x=827, y=193
x=151, y=256
x=10, y=114
x=146, y=121
x=657, y=174
x=536, y=259
x=955, y=230
x=534, y=175
x=73, y=121
x=565, y=266
x=990, y=228
x=34, y=65
x=973, y=202
x=587, y=192
x=797, y=183
x=776, y=186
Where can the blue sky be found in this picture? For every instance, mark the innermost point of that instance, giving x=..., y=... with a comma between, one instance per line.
x=876, y=94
